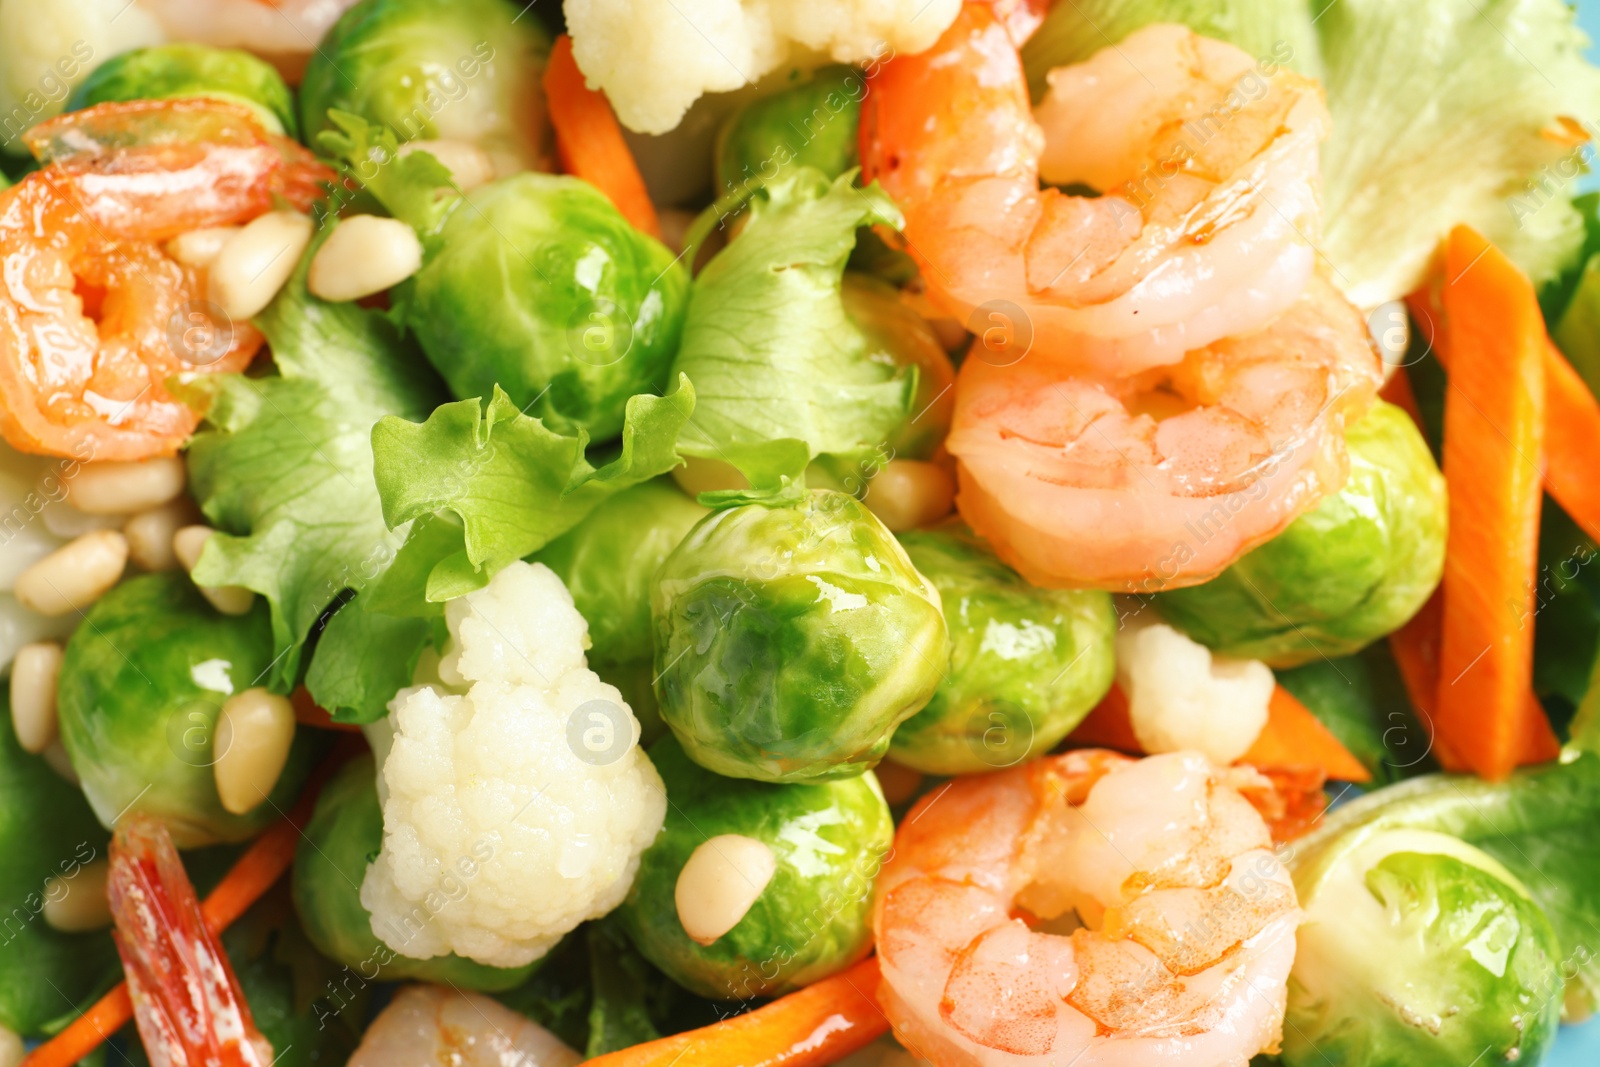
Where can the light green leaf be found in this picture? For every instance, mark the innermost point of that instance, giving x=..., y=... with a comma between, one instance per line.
x=415, y=188
x=363, y=658
x=767, y=341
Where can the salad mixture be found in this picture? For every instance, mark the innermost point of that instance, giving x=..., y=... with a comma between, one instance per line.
x=717, y=533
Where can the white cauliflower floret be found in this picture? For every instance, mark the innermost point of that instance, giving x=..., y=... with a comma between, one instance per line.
x=654, y=58
x=49, y=46
x=503, y=827
x=1181, y=698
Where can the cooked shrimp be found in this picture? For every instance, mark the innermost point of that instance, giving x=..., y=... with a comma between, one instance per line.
x=94, y=316
x=1208, y=165
x=283, y=29
x=1163, y=479
x=431, y=1026
x=1185, y=919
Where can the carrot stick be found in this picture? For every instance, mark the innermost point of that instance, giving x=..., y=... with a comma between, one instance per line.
x=817, y=1025
x=589, y=140
x=1295, y=739
x=251, y=875
x=1493, y=462
x=1572, y=441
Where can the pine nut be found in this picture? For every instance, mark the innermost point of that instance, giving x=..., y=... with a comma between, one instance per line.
x=909, y=493
x=78, y=904
x=722, y=879
x=698, y=475
x=469, y=165
x=256, y=261
x=74, y=575
x=150, y=533
x=254, y=733
x=365, y=254
x=123, y=488
x=33, y=694
x=187, y=544
x=199, y=248
x=12, y=1050
x=66, y=522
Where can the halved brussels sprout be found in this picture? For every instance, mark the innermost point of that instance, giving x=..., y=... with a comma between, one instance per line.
x=811, y=122
x=540, y=286
x=607, y=563
x=1419, y=949
x=462, y=70
x=46, y=832
x=344, y=834
x=791, y=641
x=183, y=69
x=1342, y=575
x=1026, y=664
x=810, y=920
x=141, y=687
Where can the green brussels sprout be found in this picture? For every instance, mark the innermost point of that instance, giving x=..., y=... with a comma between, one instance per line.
x=791, y=641
x=811, y=122
x=142, y=685
x=186, y=69
x=609, y=560
x=46, y=831
x=810, y=920
x=344, y=834
x=1419, y=948
x=541, y=286
x=898, y=336
x=1026, y=664
x=464, y=70
x=1343, y=574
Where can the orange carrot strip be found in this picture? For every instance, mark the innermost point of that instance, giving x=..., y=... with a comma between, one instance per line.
x=1397, y=391
x=816, y=1025
x=251, y=875
x=309, y=713
x=589, y=140
x=1572, y=441
x=1108, y=725
x=1493, y=462
x=1295, y=739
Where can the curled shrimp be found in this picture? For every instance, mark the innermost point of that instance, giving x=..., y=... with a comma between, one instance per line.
x=1207, y=161
x=1162, y=479
x=95, y=318
x=285, y=30
x=1185, y=919
x=431, y=1026
x=187, y=1002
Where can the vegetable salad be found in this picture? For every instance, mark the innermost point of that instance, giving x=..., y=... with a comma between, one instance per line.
x=970, y=532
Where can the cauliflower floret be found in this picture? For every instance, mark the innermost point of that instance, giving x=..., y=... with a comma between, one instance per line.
x=1181, y=698
x=516, y=807
x=47, y=48
x=655, y=58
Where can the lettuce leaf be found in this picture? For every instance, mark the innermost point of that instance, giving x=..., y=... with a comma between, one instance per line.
x=1447, y=112
x=1276, y=30
x=515, y=484
x=283, y=467
x=767, y=341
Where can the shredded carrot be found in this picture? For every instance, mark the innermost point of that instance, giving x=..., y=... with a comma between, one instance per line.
x=1295, y=740
x=255, y=872
x=1494, y=344
x=589, y=140
x=309, y=713
x=817, y=1025
x=1572, y=442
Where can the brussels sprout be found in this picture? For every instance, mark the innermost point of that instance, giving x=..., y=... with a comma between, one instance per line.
x=542, y=287
x=608, y=561
x=1026, y=664
x=46, y=831
x=185, y=69
x=811, y=122
x=828, y=840
x=1342, y=575
x=344, y=834
x=465, y=70
x=1419, y=949
x=141, y=687
x=898, y=336
x=791, y=641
